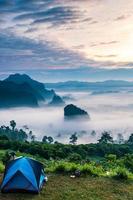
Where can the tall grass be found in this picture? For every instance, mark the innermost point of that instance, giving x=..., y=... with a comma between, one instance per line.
x=121, y=174
x=64, y=167
x=1, y=168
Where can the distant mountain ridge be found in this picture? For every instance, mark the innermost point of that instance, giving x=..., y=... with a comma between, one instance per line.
x=57, y=101
x=79, y=85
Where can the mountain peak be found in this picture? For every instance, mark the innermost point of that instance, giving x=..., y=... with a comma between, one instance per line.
x=18, y=77
x=57, y=100
x=71, y=111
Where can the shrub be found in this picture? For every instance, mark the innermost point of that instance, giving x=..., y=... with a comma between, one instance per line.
x=65, y=167
x=71, y=167
x=128, y=161
x=1, y=168
x=60, y=168
x=75, y=157
x=92, y=169
x=121, y=174
x=87, y=169
x=111, y=157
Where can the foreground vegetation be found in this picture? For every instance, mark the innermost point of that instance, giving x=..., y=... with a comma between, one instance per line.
x=104, y=159
x=109, y=166
x=102, y=171
x=61, y=187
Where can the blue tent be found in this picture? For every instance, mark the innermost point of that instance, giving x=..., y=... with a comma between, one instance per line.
x=23, y=175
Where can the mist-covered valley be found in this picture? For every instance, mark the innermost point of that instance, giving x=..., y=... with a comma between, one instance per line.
x=108, y=112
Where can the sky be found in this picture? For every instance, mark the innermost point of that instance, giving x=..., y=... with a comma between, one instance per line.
x=57, y=40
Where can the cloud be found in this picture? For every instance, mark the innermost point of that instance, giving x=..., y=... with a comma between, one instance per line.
x=56, y=15
x=121, y=17
x=43, y=12
x=22, y=53
x=65, y=34
x=104, y=43
x=106, y=56
x=5, y=3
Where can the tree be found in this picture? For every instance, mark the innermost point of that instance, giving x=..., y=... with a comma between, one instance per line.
x=130, y=140
x=4, y=137
x=8, y=156
x=44, y=139
x=93, y=133
x=22, y=135
x=120, y=138
x=111, y=157
x=75, y=157
x=106, y=138
x=73, y=138
x=47, y=139
x=50, y=140
x=13, y=124
x=30, y=134
x=128, y=161
x=33, y=137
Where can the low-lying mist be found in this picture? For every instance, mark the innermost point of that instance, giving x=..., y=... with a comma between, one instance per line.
x=108, y=112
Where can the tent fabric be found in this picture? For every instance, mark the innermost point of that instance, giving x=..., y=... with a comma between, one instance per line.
x=23, y=174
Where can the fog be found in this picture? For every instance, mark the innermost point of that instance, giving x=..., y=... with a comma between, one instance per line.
x=108, y=112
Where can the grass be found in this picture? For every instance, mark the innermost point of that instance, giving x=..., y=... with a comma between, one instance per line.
x=61, y=187
x=104, y=168
x=97, y=184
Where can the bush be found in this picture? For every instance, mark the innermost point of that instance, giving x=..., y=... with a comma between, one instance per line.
x=91, y=169
x=128, y=161
x=72, y=167
x=121, y=174
x=60, y=168
x=111, y=157
x=86, y=169
x=65, y=167
x=75, y=157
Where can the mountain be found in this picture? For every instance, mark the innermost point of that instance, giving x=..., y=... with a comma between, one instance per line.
x=41, y=92
x=71, y=111
x=113, y=85
x=21, y=90
x=57, y=101
x=13, y=95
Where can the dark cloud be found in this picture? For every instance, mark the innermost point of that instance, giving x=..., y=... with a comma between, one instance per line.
x=94, y=22
x=18, y=53
x=22, y=5
x=121, y=17
x=5, y=3
x=104, y=43
x=55, y=15
x=88, y=19
x=23, y=53
x=40, y=11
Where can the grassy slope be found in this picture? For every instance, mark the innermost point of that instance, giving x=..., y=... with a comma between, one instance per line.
x=61, y=187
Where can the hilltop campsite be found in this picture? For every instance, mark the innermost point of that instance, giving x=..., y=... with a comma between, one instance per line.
x=106, y=168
